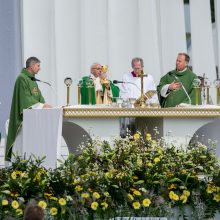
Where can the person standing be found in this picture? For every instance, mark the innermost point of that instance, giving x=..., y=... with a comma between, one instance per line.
x=176, y=86
x=26, y=95
x=131, y=88
x=96, y=88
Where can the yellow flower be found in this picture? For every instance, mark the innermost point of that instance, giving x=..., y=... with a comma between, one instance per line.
x=173, y=196
x=54, y=198
x=15, y=204
x=42, y=204
x=139, y=162
x=217, y=189
x=47, y=194
x=172, y=186
x=78, y=188
x=104, y=205
x=19, y=211
x=96, y=195
x=14, y=194
x=146, y=202
x=94, y=205
x=210, y=189
x=137, y=193
x=53, y=211
x=75, y=181
x=184, y=198
x=136, y=136
x=24, y=175
x=85, y=195
x=4, y=202
x=186, y=193
x=108, y=175
x=156, y=159
x=62, y=201
x=130, y=197
x=170, y=174
x=149, y=164
x=216, y=197
x=136, y=205
x=148, y=137
x=14, y=175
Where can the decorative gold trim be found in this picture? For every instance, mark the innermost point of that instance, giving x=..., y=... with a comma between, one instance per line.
x=140, y=112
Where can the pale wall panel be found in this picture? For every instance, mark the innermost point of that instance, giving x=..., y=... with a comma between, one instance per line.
x=217, y=21
x=202, y=40
x=148, y=43
x=172, y=32
x=38, y=40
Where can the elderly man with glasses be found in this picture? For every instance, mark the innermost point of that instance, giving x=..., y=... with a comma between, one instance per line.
x=94, y=89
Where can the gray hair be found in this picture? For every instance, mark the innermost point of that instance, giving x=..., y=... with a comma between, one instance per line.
x=32, y=60
x=137, y=59
x=93, y=66
x=187, y=58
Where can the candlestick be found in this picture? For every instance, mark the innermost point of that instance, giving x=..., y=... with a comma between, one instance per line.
x=68, y=81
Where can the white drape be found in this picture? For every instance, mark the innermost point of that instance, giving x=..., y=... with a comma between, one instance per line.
x=202, y=40
x=217, y=21
x=69, y=35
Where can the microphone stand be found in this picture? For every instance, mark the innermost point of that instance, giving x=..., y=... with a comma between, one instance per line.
x=184, y=89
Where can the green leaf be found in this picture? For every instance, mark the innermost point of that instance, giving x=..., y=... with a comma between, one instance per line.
x=139, y=182
x=174, y=180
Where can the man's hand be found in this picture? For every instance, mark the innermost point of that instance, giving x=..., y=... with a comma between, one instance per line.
x=174, y=86
x=107, y=85
x=47, y=106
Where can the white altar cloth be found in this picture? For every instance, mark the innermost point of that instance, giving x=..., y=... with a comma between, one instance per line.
x=42, y=129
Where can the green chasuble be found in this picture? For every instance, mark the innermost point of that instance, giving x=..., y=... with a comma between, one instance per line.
x=174, y=98
x=87, y=91
x=26, y=93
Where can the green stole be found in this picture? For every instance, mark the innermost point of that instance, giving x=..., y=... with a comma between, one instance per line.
x=26, y=93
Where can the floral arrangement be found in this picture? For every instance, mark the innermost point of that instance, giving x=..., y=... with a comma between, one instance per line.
x=133, y=176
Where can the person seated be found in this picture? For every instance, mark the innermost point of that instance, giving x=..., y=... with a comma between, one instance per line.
x=96, y=88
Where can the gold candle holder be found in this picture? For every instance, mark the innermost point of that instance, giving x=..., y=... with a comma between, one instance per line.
x=79, y=93
x=207, y=85
x=197, y=95
x=217, y=95
x=207, y=95
x=196, y=84
x=68, y=81
x=217, y=86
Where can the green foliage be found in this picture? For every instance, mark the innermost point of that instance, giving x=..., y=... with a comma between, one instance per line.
x=134, y=176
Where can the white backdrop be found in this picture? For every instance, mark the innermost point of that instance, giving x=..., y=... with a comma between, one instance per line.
x=69, y=35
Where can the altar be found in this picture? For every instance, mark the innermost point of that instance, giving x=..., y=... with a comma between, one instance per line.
x=78, y=124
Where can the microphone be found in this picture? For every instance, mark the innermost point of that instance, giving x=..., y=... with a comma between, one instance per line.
x=116, y=81
x=184, y=89
x=35, y=79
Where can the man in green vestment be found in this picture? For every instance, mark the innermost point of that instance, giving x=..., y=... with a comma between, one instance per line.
x=176, y=86
x=96, y=90
x=26, y=95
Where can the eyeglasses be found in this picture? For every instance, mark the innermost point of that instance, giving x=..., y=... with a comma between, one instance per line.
x=98, y=68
